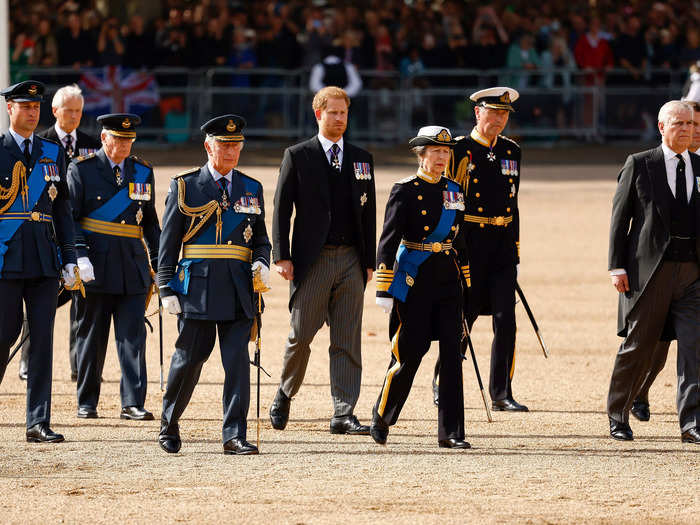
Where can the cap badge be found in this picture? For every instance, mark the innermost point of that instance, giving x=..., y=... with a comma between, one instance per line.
x=33, y=90
x=126, y=123
x=231, y=127
x=443, y=136
x=505, y=98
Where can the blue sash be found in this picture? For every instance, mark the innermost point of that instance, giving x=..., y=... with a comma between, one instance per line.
x=230, y=221
x=410, y=260
x=120, y=201
x=36, y=184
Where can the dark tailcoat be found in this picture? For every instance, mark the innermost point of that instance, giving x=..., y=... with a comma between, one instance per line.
x=85, y=144
x=304, y=188
x=640, y=229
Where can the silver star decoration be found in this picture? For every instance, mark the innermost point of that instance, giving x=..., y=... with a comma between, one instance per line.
x=491, y=156
x=363, y=199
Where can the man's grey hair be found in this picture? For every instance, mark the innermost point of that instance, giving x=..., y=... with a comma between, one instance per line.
x=66, y=93
x=673, y=107
x=210, y=139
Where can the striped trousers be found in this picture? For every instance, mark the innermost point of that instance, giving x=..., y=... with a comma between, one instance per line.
x=332, y=292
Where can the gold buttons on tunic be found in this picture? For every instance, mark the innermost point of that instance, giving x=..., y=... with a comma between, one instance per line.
x=99, y=198
x=426, y=228
x=508, y=209
x=123, y=222
x=477, y=195
x=508, y=152
x=510, y=180
x=453, y=228
x=511, y=195
x=423, y=212
x=229, y=242
x=415, y=183
x=420, y=197
x=476, y=180
x=481, y=226
x=481, y=209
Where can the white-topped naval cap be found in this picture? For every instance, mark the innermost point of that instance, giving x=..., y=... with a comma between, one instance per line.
x=428, y=135
x=500, y=97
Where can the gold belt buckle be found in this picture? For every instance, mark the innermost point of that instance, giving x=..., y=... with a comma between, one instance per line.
x=437, y=247
x=499, y=221
x=35, y=216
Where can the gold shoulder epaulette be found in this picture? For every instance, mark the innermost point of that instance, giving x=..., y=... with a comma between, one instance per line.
x=81, y=158
x=193, y=170
x=140, y=161
x=407, y=179
x=460, y=138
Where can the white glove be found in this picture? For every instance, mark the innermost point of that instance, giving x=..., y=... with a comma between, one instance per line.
x=87, y=272
x=385, y=303
x=264, y=272
x=171, y=304
x=68, y=274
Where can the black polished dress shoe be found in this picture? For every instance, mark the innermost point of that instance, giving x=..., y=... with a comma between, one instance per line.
x=136, y=414
x=509, y=405
x=170, y=443
x=279, y=410
x=453, y=443
x=239, y=447
x=692, y=435
x=640, y=410
x=41, y=433
x=379, y=430
x=620, y=431
x=348, y=425
x=87, y=413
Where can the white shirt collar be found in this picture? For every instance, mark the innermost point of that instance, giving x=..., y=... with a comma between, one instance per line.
x=670, y=154
x=326, y=144
x=112, y=164
x=62, y=134
x=19, y=139
x=218, y=175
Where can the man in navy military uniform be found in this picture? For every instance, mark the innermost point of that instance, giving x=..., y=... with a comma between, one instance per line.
x=67, y=107
x=36, y=239
x=487, y=167
x=113, y=205
x=217, y=215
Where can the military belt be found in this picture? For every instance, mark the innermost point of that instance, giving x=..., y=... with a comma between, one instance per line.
x=111, y=228
x=492, y=221
x=32, y=216
x=218, y=251
x=434, y=247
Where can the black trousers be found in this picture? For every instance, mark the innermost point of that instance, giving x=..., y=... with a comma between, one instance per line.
x=39, y=296
x=127, y=312
x=427, y=314
x=192, y=348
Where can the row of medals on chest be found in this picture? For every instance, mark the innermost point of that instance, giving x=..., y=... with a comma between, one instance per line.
x=225, y=205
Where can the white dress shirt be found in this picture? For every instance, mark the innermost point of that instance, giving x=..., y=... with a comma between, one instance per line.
x=62, y=136
x=19, y=139
x=328, y=144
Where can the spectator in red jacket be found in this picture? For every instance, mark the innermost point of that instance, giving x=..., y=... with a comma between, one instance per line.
x=593, y=52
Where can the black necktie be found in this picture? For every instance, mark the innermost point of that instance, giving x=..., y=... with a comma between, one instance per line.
x=69, y=145
x=27, y=154
x=681, y=192
x=118, y=175
x=335, y=159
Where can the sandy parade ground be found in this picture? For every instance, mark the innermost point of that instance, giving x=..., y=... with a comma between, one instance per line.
x=556, y=464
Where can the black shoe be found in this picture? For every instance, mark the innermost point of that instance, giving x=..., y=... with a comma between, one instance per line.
x=509, y=405
x=348, y=425
x=239, y=447
x=23, y=370
x=170, y=443
x=379, y=430
x=620, y=431
x=453, y=443
x=436, y=392
x=640, y=410
x=41, y=433
x=279, y=410
x=87, y=413
x=692, y=435
x=136, y=414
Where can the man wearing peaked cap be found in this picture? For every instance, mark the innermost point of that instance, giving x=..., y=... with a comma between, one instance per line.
x=113, y=194
x=35, y=226
x=216, y=215
x=487, y=167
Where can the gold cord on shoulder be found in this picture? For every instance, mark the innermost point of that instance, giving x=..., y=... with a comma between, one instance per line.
x=19, y=178
x=203, y=213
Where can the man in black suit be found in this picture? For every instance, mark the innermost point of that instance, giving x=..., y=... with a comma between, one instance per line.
x=655, y=265
x=329, y=184
x=113, y=194
x=67, y=107
x=36, y=239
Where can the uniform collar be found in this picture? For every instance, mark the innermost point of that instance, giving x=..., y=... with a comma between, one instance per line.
x=62, y=134
x=427, y=177
x=478, y=137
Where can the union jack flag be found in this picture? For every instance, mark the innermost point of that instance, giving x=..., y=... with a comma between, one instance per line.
x=115, y=90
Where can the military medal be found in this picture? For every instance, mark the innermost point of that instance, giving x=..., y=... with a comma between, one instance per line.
x=118, y=175
x=362, y=170
x=363, y=199
x=50, y=172
x=224, y=201
x=453, y=200
x=491, y=156
x=139, y=215
x=247, y=233
x=697, y=181
x=53, y=192
x=247, y=204
x=139, y=191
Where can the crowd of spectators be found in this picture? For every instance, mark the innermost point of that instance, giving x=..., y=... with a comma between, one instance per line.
x=403, y=35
